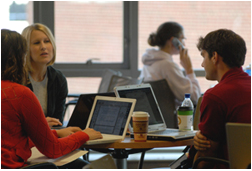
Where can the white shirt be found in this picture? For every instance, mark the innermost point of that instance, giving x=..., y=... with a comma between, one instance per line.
x=159, y=65
x=40, y=90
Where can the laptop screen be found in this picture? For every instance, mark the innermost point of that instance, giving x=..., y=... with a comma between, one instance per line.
x=83, y=108
x=145, y=102
x=110, y=117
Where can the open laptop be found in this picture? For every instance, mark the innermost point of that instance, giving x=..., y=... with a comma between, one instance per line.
x=110, y=116
x=239, y=145
x=83, y=108
x=146, y=101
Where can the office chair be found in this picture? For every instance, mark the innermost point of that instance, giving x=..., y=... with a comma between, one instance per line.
x=166, y=101
x=210, y=159
x=239, y=147
x=72, y=100
x=121, y=81
x=196, y=118
x=106, y=77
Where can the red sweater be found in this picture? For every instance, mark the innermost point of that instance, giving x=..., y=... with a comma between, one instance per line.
x=228, y=101
x=22, y=118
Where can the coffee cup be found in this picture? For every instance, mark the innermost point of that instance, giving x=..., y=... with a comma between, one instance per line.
x=140, y=125
x=185, y=118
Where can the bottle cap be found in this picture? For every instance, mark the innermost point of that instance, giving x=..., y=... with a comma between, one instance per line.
x=187, y=95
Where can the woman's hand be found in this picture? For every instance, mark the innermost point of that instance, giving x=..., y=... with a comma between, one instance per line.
x=92, y=134
x=200, y=142
x=53, y=122
x=67, y=131
x=185, y=60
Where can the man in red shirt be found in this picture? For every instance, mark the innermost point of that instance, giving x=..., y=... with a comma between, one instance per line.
x=223, y=53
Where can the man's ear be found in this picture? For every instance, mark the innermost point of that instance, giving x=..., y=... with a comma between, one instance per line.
x=215, y=58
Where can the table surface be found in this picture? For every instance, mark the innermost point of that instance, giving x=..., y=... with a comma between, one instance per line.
x=130, y=143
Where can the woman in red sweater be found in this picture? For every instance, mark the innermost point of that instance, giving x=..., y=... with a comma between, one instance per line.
x=23, y=123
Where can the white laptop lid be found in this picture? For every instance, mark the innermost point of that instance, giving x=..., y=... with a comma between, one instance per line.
x=110, y=116
x=239, y=145
x=146, y=101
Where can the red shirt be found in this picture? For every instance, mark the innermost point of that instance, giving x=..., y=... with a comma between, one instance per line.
x=228, y=101
x=22, y=118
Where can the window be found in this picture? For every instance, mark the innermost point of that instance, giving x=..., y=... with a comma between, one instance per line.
x=16, y=15
x=87, y=30
x=92, y=36
x=198, y=18
x=113, y=34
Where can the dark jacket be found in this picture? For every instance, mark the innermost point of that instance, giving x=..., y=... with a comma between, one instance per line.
x=56, y=93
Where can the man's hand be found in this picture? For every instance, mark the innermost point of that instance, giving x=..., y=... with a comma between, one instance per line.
x=67, y=131
x=200, y=142
x=206, y=148
x=53, y=122
x=92, y=134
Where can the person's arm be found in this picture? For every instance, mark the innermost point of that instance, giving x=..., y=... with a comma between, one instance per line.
x=212, y=129
x=92, y=134
x=181, y=84
x=38, y=130
x=201, y=143
x=53, y=122
x=185, y=61
x=212, y=151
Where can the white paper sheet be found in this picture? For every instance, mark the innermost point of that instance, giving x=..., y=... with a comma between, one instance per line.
x=38, y=157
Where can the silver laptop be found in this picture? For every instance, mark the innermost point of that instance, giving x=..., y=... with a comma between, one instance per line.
x=110, y=116
x=146, y=101
x=239, y=145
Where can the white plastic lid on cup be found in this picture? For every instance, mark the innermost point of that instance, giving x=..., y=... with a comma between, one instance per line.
x=140, y=114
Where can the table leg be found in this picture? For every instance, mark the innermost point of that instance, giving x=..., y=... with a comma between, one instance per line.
x=121, y=163
x=120, y=156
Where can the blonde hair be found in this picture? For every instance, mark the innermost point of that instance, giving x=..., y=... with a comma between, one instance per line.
x=27, y=35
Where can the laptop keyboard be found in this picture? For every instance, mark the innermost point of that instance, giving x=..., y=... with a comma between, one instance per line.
x=166, y=131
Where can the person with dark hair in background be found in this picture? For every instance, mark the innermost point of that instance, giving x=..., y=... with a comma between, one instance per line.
x=48, y=83
x=223, y=53
x=159, y=64
x=23, y=123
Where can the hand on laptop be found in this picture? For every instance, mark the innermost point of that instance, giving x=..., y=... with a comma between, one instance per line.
x=92, y=134
x=53, y=122
x=67, y=131
x=201, y=142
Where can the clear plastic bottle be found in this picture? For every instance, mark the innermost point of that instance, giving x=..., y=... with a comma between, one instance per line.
x=187, y=101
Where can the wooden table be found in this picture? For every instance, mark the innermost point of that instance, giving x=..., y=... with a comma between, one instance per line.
x=121, y=149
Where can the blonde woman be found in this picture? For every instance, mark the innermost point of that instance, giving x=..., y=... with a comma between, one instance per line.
x=48, y=84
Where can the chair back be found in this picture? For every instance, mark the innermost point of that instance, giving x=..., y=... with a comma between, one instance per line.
x=196, y=118
x=106, y=78
x=121, y=81
x=239, y=145
x=166, y=102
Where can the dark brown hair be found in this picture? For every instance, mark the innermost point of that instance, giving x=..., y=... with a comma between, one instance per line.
x=229, y=45
x=13, y=50
x=164, y=32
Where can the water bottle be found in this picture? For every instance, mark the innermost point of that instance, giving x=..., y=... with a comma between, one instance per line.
x=248, y=70
x=187, y=101
x=185, y=114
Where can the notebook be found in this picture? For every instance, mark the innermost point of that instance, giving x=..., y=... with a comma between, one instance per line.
x=239, y=145
x=110, y=116
x=146, y=101
x=82, y=109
